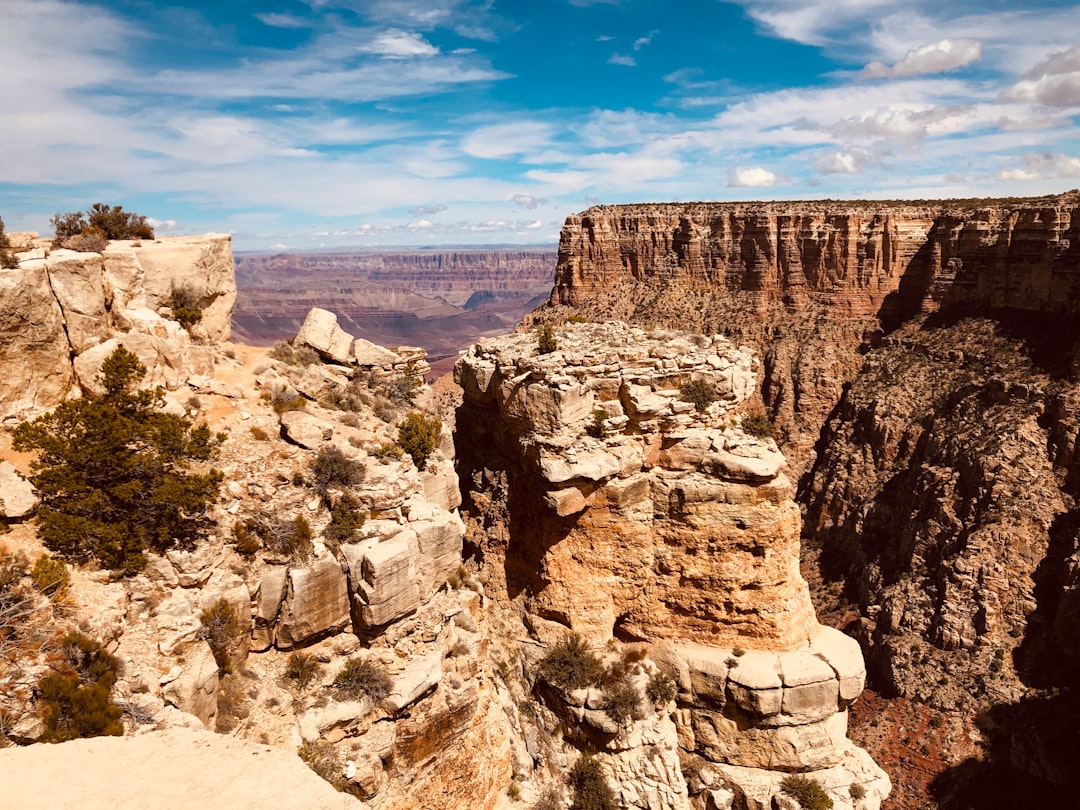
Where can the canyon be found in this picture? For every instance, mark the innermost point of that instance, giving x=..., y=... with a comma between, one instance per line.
x=441, y=300
x=919, y=363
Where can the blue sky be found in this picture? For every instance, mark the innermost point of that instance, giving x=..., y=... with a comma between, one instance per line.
x=321, y=123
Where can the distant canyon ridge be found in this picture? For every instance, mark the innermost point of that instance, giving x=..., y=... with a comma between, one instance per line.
x=440, y=300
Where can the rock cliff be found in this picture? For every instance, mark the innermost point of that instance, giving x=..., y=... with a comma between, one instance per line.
x=62, y=312
x=920, y=361
x=600, y=501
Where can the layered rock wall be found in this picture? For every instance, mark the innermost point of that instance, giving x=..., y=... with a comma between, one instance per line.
x=601, y=501
x=62, y=312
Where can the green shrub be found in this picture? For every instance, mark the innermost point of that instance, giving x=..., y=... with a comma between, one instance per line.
x=857, y=791
x=302, y=669
x=589, y=785
x=388, y=450
x=808, y=793
x=620, y=701
x=75, y=698
x=363, y=677
x=570, y=664
x=7, y=258
x=225, y=632
x=332, y=468
x=111, y=472
x=700, y=392
x=758, y=424
x=546, y=342
x=402, y=389
x=50, y=576
x=346, y=518
x=596, y=428
x=418, y=435
x=112, y=222
x=325, y=760
x=661, y=688
x=288, y=538
x=186, y=305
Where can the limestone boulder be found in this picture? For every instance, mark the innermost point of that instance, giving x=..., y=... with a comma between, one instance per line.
x=192, y=687
x=77, y=284
x=371, y=355
x=306, y=430
x=17, y=496
x=318, y=380
x=439, y=540
x=321, y=332
x=419, y=678
x=384, y=577
x=317, y=603
x=269, y=597
x=34, y=348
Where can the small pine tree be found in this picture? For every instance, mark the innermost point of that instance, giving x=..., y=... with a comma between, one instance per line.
x=546, y=342
x=570, y=664
x=590, y=786
x=111, y=472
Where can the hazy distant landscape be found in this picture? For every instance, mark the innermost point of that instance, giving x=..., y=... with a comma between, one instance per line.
x=442, y=300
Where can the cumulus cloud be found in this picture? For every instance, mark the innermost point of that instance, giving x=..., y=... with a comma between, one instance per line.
x=900, y=124
x=532, y=226
x=937, y=57
x=752, y=177
x=426, y=210
x=1043, y=165
x=398, y=44
x=526, y=201
x=852, y=161
x=1054, y=82
x=621, y=59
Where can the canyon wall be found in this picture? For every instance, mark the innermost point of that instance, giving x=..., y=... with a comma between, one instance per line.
x=920, y=360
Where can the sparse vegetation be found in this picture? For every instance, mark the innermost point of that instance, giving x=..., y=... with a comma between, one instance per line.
x=302, y=669
x=294, y=355
x=7, y=258
x=758, y=424
x=621, y=701
x=857, y=791
x=550, y=799
x=50, y=576
x=388, y=450
x=346, y=518
x=102, y=221
x=225, y=632
x=288, y=538
x=596, y=428
x=661, y=688
x=111, y=472
x=186, y=305
x=418, y=435
x=259, y=434
x=590, y=787
x=75, y=698
x=808, y=793
x=700, y=392
x=284, y=398
x=325, y=760
x=546, y=342
x=363, y=677
x=570, y=664
x=332, y=468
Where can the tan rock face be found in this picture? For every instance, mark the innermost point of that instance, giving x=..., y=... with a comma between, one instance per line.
x=604, y=503
x=70, y=304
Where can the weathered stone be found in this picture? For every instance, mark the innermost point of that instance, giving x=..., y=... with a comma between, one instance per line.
x=321, y=332
x=76, y=280
x=419, y=678
x=317, y=603
x=192, y=687
x=317, y=380
x=17, y=497
x=268, y=600
x=439, y=541
x=306, y=430
x=384, y=578
x=371, y=355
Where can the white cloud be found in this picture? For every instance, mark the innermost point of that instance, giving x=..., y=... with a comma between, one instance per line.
x=1044, y=165
x=843, y=162
x=397, y=44
x=526, y=201
x=426, y=210
x=534, y=225
x=1054, y=82
x=275, y=20
x=646, y=40
x=621, y=59
x=500, y=141
x=938, y=57
x=604, y=38
x=752, y=177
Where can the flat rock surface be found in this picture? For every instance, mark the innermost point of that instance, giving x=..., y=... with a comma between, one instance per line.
x=175, y=769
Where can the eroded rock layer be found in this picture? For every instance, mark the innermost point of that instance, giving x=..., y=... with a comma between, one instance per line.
x=602, y=501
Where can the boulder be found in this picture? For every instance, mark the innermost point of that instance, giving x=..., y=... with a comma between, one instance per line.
x=77, y=284
x=317, y=604
x=370, y=355
x=384, y=577
x=306, y=430
x=17, y=497
x=321, y=332
x=419, y=678
x=268, y=599
x=192, y=688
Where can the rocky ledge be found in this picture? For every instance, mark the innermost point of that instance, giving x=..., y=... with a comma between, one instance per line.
x=602, y=501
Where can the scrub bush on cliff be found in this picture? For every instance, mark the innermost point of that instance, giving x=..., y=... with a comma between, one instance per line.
x=111, y=472
x=7, y=258
x=109, y=222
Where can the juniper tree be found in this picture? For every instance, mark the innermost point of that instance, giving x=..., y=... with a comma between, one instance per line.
x=112, y=472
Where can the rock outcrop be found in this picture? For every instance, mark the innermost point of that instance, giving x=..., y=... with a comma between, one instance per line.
x=62, y=312
x=601, y=501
